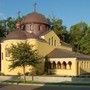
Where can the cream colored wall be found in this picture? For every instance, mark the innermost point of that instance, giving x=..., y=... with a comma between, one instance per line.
x=84, y=66
x=55, y=37
x=5, y=61
x=44, y=48
x=68, y=71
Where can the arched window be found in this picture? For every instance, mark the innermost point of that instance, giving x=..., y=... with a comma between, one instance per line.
x=54, y=65
x=70, y=64
x=7, y=54
x=2, y=55
x=39, y=27
x=89, y=64
x=49, y=41
x=30, y=27
x=64, y=65
x=46, y=27
x=81, y=64
x=85, y=64
x=59, y=65
x=52, y=40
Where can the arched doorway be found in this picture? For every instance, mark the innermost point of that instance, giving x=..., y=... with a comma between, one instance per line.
x=64, y=65
x=58, y=65
x=54, y=65
x=70, y=64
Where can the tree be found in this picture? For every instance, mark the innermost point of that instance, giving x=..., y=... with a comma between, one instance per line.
x=10, y=24
x=7, y=25
x=85, y=43
x=2, y=30
x=65, y=36
x=58, y=27
x=22, y=55
x=77, y=31
x=46, y=64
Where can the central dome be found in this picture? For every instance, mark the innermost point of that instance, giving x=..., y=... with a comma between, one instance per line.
x=34, y=17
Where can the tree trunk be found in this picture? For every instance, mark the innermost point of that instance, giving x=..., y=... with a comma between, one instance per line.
x=24, y=74
x=32, y=77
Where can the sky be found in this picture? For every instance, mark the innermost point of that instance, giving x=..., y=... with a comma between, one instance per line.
x=70, y=11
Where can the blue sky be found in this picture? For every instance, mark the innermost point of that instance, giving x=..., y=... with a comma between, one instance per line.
x=70, y=11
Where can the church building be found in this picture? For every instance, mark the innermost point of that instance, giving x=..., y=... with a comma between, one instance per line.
x=35, y=29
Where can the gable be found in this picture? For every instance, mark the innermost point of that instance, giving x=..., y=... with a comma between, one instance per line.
x=51, y=38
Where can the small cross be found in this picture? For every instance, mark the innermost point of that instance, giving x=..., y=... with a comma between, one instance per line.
x=35, y=4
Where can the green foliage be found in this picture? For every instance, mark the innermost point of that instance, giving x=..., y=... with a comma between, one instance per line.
x=85, y=43
x=77, y=31
x=58, y=27
x=2, y=74
x=46, y=64
x=6, y=26
x=2, y=30
x=10, y=24
x=23, y=55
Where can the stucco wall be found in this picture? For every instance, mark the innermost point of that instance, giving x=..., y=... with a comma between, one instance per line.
x=5, y=60
x=83, y=67
x=55, y=37
x=67, y=71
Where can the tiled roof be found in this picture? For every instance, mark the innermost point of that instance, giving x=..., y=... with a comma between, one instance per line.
x=34, y=17
x=16, y=34
x=62, y=53
x=22, y=35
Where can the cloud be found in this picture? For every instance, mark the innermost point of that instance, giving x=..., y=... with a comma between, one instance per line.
x=2, y=16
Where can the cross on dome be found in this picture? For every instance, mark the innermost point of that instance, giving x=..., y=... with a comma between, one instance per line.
x=35, y=4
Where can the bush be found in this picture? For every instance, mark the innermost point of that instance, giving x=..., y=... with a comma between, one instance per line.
x=2, y=74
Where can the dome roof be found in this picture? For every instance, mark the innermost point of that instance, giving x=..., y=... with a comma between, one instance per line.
x=17, y=34
x=34, y=17
x=20, y=34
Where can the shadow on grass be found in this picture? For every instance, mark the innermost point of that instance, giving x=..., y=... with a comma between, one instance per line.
x=2, y=85
x=62, y=86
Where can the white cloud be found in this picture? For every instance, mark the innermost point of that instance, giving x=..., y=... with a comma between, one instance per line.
x=2, y=16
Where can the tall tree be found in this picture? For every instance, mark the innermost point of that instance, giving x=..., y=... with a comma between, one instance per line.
x=77, y=31
x=46, y=66
x=10, y=24
x=2, y=30
x=58, y=27
x=22, y=55
x=85, y=43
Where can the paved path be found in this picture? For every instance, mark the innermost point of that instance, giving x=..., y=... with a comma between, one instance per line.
x=34, y=87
